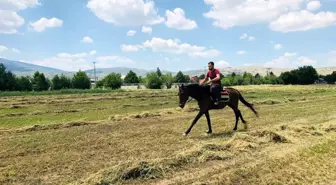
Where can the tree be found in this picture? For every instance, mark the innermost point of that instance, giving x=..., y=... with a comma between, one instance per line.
x=56, y=83
x=40, y=82
x=65, y=82
x=226, y=82
x=7, y=79
x=153, y=81
x=238, y=80
x=168, y=80
x=289, y=77
x=131, y=77
x=24, y=83
x=331, y=78
x=158, y=71
x=81, y=81
x=181, y=78
x=113, y=80
x=202, y=76
x=307, y=75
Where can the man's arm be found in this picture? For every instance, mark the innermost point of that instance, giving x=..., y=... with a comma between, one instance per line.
x=206, y=76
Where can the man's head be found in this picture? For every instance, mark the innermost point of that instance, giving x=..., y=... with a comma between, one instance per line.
x=211, y=65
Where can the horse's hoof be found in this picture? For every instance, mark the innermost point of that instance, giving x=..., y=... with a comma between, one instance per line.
x=235, y=129
x=185, y=134
x=208, y=132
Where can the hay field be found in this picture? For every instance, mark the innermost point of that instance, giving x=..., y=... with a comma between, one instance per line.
x=135, y=137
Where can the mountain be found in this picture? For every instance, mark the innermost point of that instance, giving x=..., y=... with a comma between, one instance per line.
x=23, y=69
x=258, y=69
x=101, y=72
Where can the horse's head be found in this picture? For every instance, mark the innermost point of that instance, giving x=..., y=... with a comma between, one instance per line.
x=183, y=95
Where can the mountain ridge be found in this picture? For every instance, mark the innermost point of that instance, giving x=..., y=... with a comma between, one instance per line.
x=24, y=69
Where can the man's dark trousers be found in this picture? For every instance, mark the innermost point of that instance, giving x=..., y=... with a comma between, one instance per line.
x=215, y=90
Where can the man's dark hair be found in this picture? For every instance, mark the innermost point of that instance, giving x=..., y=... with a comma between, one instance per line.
x=211, y=62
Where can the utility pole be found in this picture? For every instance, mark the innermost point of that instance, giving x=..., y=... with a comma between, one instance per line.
x=94, y=69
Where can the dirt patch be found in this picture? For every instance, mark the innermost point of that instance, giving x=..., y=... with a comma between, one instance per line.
x=269, y=102
x=54, y=126
x=143, y=170
x=331, y=128
x=272, y=136
x=16, y=107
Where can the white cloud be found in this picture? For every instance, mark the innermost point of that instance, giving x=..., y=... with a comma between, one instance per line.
x=277, y=46
x=302, y=21
x=251, y=38
x=287, y=54
x=222, y=64
x=290, y=62
x=130, y=48
x=66, y=61
x=126, y=12
x=176, y=19
x=131, y=33
x=93, y=52
x=15, y=50
x=10, y=22
x=18, y=4
x=247, y=64
x=305, y=61
x=230, y=13
x=44, y=23
x=313, y=5
x=244, y=36
x=77, y=55
x=241, y=52
x=3, y=48
x=176, y=47
x=87, y=40
x=146, y=29
x=207, y=53
x=112, y=61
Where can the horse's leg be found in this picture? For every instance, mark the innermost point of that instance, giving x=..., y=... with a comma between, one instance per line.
x=241, y=117
x=235, y=110
x=200, y=113
x=207, y=115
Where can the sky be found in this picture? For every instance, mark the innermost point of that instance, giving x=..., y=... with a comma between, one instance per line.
x=170, y=34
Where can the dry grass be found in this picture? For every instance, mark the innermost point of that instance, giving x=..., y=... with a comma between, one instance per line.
x=134, y=138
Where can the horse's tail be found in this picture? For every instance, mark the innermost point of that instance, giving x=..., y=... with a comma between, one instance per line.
x=249, y=105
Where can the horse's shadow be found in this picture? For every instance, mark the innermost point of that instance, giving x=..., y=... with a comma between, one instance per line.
x=220, y=135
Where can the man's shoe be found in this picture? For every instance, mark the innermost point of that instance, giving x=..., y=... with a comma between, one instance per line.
x=216, y=103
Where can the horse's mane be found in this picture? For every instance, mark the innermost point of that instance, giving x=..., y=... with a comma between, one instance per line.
x=198, y=90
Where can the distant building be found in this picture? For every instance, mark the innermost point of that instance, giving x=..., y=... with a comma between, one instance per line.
x=320, y=81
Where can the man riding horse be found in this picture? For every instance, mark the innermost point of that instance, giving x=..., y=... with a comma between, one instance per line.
x=214, y=81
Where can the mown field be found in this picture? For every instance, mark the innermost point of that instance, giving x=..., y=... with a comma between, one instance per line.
x=135, y=137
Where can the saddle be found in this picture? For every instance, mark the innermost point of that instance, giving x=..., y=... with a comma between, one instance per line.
x=224, y=92
x=224, y=96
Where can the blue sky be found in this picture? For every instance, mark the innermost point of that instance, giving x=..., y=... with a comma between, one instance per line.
x=170, y=34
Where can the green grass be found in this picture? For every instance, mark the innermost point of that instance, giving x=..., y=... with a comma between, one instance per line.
x=105, y=137
x=55, y=92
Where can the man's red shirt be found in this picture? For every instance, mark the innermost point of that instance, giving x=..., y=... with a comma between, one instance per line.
x=212, y=74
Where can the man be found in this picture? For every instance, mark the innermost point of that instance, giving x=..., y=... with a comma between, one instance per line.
x=215, y=82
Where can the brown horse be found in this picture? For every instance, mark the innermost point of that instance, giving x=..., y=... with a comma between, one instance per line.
x=202, y=94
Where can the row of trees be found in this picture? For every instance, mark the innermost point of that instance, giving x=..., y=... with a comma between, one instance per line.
x=153, y=80
x=10, y=82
